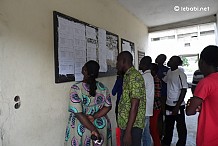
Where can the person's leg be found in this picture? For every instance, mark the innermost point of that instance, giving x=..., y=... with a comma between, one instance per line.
x=169, y=124
x=136, y=136
x=181, y=128
x=146, y=137
x=161, y=120
x=121, y=137
x=154, y=128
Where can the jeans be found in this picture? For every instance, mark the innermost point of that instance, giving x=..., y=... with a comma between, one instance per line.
x=146, y=137
x=136, y=134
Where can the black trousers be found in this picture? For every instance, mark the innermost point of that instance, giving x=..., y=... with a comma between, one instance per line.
x=136, y=136
x=180, y=125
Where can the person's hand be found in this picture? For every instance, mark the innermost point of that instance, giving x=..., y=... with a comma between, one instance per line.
x=91, y=118
x=175, y=110
x=188, y=102
x=198, y=109
x=95, y=133
x=127, y=139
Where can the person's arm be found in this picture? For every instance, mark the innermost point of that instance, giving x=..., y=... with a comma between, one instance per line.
x=193, y=106
x=75, y=107
x=193, y=88
x=102, y=112
x=164, y=78
x=182, y=80
x=179, y=102
x=131, y=119
x=115, y=88
x=85, y=121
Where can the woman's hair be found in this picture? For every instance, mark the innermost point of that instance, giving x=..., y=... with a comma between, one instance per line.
x=210, y=55
x=93, y=70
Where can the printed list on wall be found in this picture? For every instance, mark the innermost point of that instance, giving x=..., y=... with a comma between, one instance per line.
x=77, y=42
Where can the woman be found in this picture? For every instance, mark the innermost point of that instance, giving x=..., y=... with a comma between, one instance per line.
x=90, y=102
x=205, y=99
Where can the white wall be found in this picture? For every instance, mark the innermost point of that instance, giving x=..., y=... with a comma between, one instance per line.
x=216, y=29
x=27, y=65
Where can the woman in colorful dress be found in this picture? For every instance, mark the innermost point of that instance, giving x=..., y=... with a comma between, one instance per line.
x=90, y=102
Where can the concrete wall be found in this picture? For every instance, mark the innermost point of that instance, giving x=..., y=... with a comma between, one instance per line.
x=217, y=29
x=27, y=65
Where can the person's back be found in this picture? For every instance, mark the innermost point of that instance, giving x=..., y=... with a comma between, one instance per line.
x=197, y=76
x=144, y=66
x=207, y=126
x=161, y=73
x=89, y=104
x=205, y=99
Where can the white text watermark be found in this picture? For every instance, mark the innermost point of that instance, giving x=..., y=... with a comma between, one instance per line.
x=191, y=9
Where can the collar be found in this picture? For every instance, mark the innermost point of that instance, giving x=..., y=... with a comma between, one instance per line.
x=147, y=71
x=129, y=70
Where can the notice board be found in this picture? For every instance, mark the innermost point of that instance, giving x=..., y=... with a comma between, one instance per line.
x=140, y=56
x=76, y=42
x=128, y=46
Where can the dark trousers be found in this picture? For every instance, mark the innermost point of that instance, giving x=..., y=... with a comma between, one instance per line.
x=136, y=134
x=180, y=125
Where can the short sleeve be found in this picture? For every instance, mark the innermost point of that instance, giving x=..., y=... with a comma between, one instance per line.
x=108, y=101
x=183, y=80
x=137, y=86
x=165, y=78
x=202, y=89
x=75, y=104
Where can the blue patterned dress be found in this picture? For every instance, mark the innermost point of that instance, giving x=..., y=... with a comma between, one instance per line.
x=80, y=101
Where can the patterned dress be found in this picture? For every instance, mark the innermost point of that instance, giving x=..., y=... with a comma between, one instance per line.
x=80, y=101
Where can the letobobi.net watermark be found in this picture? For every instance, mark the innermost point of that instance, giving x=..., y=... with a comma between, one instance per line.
x=191, y=9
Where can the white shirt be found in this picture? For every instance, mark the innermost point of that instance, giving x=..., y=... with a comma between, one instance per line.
x=176, y=80
x=149, y=89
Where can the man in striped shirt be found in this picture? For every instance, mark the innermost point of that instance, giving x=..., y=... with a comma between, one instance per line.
x=196, y=78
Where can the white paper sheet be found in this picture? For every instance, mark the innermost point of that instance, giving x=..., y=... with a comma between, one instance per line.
x=102, y=50
x=91, y=32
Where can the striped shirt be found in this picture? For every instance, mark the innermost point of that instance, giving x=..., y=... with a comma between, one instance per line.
x=157, y=93
x=197, y=77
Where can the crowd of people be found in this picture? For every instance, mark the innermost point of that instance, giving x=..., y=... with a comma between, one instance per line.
x=149, y=103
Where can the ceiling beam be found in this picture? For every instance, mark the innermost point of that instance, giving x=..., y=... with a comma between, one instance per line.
x=191, y=22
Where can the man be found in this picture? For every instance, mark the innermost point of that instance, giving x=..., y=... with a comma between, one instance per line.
x=132, y=105
x=162, y=71
x=198, y=75
x=205, y=99
x=176, y=89
x=144, y=66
